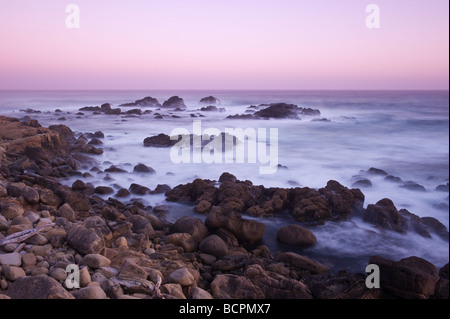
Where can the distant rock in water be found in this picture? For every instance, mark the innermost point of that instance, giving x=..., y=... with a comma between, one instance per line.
x=160, y=140
x=142, y=168
x=278, y=111
x=393, y=179
x=442, y=188
x=413, y=186
x=377, y=171
x=147, y=101
x=174, y=102
x=210, y=108
x=362, y=183
x=210, y=100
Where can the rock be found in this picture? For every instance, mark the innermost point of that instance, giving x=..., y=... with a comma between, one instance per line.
x=193, y=226
x=28, y=260
x=67, y=212
x=142, y=168
x=183, y=240
x=160, y=140
x=12, y=273
x=3, y=191
x=210, y=100
x=283, y=110
x=246, y=231
x=439, y=188
x=138, y=189
x=115, y=169
x=11, y=259
x=95, y=261
x=161, y=189
x=413, y=186
x=227, y=177
x=104, y=190
x=147, y=101
x=241, y=117
x=10, y=210
x=95, y=141
x=296, y=235
x=385, y=215
x=181, y=276
x=377, y=171
x=302, y=263
x=90, y=149
x=214, y=245
x=123, y=192
x=362, y=183
x=342, y=201
x=174, y=290
x=85, y=277
x=308, y=205
x=30, y=195
x=79, y=185
x=47, y=197
x=131, y=270
x=199, y=293
x=90, y=292
x=340, y=286
x=411, y=277
x=174, y=102
x=37, y=287
x=141, y=225
x=210, y=108
x=58, y=274
x=442, y=287
x=393, y=179
x=203, y=207
x=85, y=240
x=235, y=287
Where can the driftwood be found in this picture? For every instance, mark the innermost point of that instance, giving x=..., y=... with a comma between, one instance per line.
x=158, y=293
x=22, y=235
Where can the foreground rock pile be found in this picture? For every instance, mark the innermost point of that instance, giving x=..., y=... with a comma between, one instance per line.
x=125, y=250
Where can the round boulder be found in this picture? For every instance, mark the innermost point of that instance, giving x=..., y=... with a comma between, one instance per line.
x=296, y=235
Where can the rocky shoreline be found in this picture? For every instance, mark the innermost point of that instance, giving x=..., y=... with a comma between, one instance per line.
x=125, y=250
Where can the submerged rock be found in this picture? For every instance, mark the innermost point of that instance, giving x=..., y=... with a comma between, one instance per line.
x=174, y=102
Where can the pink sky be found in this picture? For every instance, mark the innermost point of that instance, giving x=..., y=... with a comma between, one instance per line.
x=230, y=44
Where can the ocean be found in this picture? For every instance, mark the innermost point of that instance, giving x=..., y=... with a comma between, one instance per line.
x=405, y=133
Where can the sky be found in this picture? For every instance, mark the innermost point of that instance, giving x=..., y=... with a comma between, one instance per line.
x=224, y=44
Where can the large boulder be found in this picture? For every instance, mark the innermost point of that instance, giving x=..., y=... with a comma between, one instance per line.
x=192, y=226
x=214, y=245
x=342, y=201
x=308, y=205
x=37, y=287
x=210, y=100
x=174, y=102
x=283, y=110
x=409, y=278
x=384, y=214
x=296, y=235
x=147, y=101
x=160, y=140
x=246, y=231
x=85, y=240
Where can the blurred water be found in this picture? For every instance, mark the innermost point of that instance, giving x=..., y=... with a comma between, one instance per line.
x=405, y=133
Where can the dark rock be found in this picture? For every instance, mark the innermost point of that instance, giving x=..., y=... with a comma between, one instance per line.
x=385, y=215
x=296, y=235
x=174, y=102
x=115, y=169
x=393, y=179
x=67, y=212
x=241, y=117
x=123, y=192
x=113, y=111
x=138, y=189
x=85, y=240
x=145, y=102
x=246, y=231
x=161, y=189
x=79, y=185
x=192, y=226
x=90, y=149
x=103, y=190
x=235, y=287
x=30, y=195
x=214, y=245
x=210, y=108
x=183, y=240
x=362, y=183
x=411, y=277
x=377, y=171
x=161, y=140
x=442, y=188
x=308, y=205
x=413, y=186
x=95, y=141
x=210, y=100
x=227, y=177
x=142, y=168
x=302, y=263
x=37, y=287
